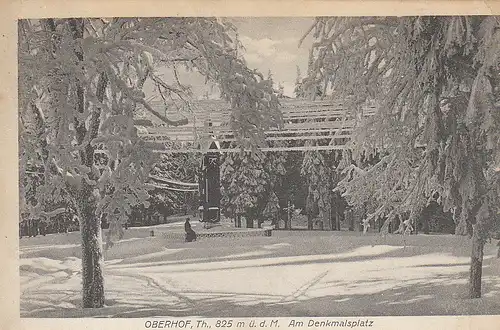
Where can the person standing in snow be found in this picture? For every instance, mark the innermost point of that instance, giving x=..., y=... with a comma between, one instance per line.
x=190, y=234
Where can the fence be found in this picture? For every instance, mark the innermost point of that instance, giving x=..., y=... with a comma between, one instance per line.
x=221, y=234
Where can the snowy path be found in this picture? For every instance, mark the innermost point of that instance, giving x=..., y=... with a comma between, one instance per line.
x=286, y=275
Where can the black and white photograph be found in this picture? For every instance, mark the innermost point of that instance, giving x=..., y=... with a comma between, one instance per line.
x=219, y=167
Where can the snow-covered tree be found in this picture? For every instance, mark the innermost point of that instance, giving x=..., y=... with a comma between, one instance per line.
x=244, y=182
x=250, y=181
x=281, y=91
x=270, y=77
x=79, y=83
x=272, y=209
x=275, y=167
x=177, y=168
x=437, y=128
x=298, y=90
x=317, y=175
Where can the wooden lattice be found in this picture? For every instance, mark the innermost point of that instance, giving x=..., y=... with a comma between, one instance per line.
x=326, y=123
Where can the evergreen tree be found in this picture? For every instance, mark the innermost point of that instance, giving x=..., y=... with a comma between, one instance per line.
x=437, y=129
x=250, y=181
x=243, y=181
x=275, y=167
x=281, y=91
x=175, y=168
x=270, y=77
x=272, y=209
x=295, y=190
x=316, y=174
x=298, y=91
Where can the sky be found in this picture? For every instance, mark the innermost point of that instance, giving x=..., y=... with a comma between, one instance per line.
x=271, y=43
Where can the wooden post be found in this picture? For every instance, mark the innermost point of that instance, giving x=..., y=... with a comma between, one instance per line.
x=337, y=220
x=289, y=210
x=330, y=218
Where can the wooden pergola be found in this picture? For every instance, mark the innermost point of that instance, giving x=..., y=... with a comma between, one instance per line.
x=204, y=127
x=312, y=125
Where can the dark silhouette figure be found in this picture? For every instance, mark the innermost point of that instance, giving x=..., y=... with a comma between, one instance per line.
x=190, y=234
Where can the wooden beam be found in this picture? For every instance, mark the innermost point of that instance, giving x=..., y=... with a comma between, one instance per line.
x=266, y=149
x=304, y=120
x=178, y=183
x=161, y=138
x=222, y=136
x=158, y=186
x=217, y=129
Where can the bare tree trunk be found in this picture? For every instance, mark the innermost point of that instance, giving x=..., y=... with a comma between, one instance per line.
x=350, y=217
x=327, y=220
x=92, y=253
x=310, y=225
x=461, y=228
x=476, y=263
x=85, y=201
x=425, y=224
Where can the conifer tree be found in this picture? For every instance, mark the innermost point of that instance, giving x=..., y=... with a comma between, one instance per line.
x=250, y=181
x=298, y=91
x=316, y=174
x=181, y=168
x=275, y=167
x=244, y=181
x=437, y=129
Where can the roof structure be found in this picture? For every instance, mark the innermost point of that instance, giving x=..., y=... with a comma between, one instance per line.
x=309, y=125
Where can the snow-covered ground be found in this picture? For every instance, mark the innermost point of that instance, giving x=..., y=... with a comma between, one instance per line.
x=289, y=274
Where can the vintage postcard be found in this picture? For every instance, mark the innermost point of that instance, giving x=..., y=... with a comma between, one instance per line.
x=231, y=166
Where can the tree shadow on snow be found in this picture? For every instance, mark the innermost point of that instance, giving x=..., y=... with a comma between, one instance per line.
x=441, y=295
